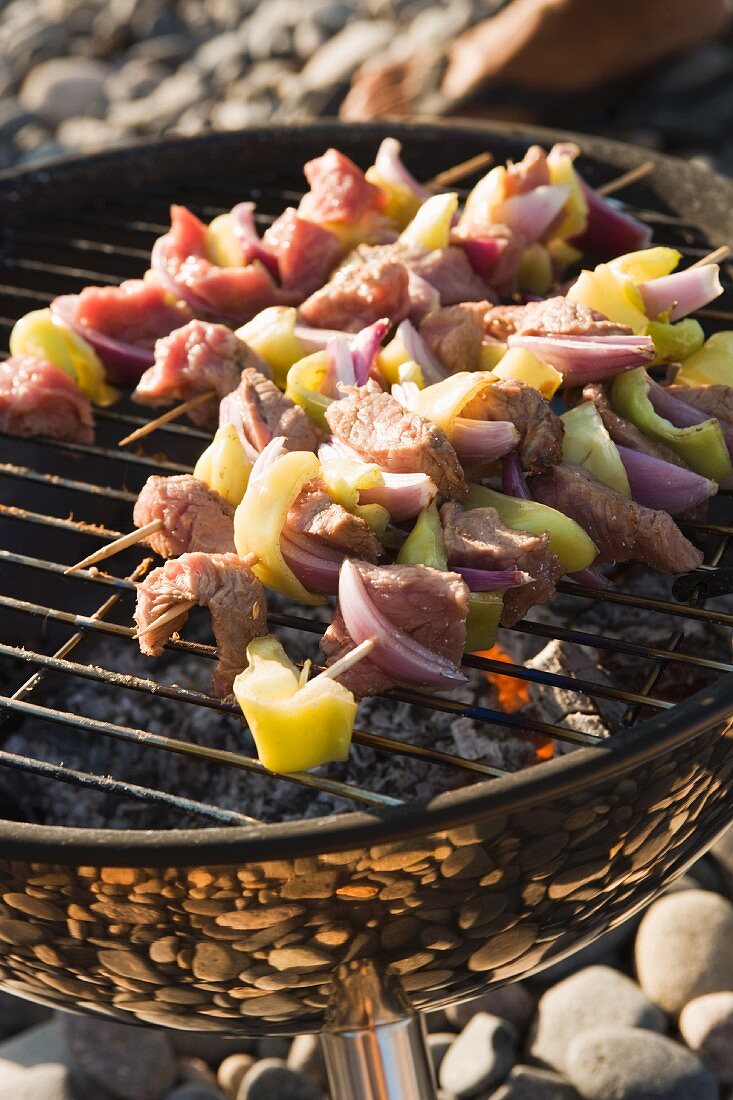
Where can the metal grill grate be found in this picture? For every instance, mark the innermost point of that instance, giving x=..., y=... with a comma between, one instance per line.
x=109, y=239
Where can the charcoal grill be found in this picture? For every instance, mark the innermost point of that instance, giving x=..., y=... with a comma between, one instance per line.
x=354, y=921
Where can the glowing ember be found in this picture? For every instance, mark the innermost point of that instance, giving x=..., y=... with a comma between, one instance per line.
x=512, y=694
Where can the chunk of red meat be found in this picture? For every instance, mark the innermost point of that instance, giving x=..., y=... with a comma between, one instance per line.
x=339, y=190
x=358, y=295
x=260, y=412
x=194, y=517
x=447, y=270
x=456, y=334
x=556, y=316
x=306, y=252
x=375, y=425
x=136, y=312
x=621, y=529
x=494, y=251
x=530, y=172
x=479, y=540
x=316, y=514
x=38, y=398
x=198, y=357
x=230, y=294
x=540, y=429
x=221, y=582
x=713, y=400
x=425, y=603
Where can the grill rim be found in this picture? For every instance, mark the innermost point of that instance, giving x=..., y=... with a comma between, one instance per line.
x=654, y=737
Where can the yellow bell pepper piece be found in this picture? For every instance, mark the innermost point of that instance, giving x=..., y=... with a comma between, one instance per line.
x=612, y=294
x=345, y=478
x=304, y=381
x=647, y=263
x=395, y=365
x=563, y=254
x=402, y=205
x=587, y=443
x=535, y=272
x=525, y=366
x=38, y=334
x=572, y=545
x=260, y=518
x=222, y=246
x=272, y=335
x=485, y=196
x=224, y=465
x=431, y=225
x=296, y=724
x=492, y=353
x=562, y=172
x=711, y=365
x=443, y=401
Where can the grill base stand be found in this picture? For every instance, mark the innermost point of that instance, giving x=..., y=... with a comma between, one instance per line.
x=375, y=1045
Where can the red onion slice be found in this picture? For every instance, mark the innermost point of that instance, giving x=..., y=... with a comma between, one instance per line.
x=315, y=339
x=389, y=166
x=588, y=358
x=245, y=230
x=124, y=363
x=533, y=212
x=365, y=346
x=395, y=652
x=659, y=484
x=482, y=440
x=682, y=292
x=483, y=253
x=177, y=287
x=590, y=577
x=342, y=364
x=682, y=415
x=513, y=481
x=231, y=412
x=416, y=348
x=489, y=580
x=403, y=495
x=316, y=566
x=610, y=231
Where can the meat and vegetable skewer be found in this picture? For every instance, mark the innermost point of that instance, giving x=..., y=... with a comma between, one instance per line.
x=363, y=410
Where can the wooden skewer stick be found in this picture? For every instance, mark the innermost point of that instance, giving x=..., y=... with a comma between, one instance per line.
x=116, y=546
x=347, y=661
x=459, y=171
x=716, y=314
x=632, y=176
x=712, y=257
x=181, y=607
x=166, y=417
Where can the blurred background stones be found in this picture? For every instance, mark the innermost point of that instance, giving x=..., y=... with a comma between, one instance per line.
x=80, y=75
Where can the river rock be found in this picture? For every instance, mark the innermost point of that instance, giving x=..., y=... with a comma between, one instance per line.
x=47, y=1082
x=232, y=1071
x=480, y=1056
x=64, y=87
x=133, y=1063
x=595, y=996
x=684, y=948
x=625, y=1063
x=336, y=60
x=532, y=1083
x=511, y=1002
x=304, y=1057
x=271, y=1079
x=706, y=1025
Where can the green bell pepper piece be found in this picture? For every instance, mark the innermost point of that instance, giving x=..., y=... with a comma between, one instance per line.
x=572, y=545
x=675, y=342
x=425, y=546
x=587, y=443
x=305, y=379
x=702, y=446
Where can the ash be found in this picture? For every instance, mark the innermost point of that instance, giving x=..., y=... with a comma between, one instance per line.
x=269, y=799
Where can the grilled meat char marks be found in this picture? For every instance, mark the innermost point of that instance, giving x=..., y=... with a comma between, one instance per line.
x=260, y=411
x=316, y=514
x=425, y=603
x=621, y=529
x=223, y=584
x=479, y=540
x=623, y=432
x=38, y=398
x=194, y=517
x=714, y=400
x=198, y=357
x=552, y=317
x=375, y=424
x=540, y=429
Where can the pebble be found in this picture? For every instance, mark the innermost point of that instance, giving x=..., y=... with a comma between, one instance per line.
x=271, y=1079
x=480, y=1056
x=88, y=134
x=531, y=1083
x=135, y=79
x=231, y=1072
x=439, y=1043
x=595, y=996
x=512, y=1002
x=134, y=1063
x=706, y=1025
x=194, y=1092
x=339, y=57
x=684, y=948
x=624, y=1063
x=305, y=1057
x=64, y=87
x=722, y=853
x=48, y=1082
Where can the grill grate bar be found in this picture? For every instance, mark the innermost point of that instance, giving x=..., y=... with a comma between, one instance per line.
x=58, y=270
x=114, y=455
x=56, y=663
x=191, y=748
x=124, y=789
x=78, y=526
x=25, y=473
x=186, y=430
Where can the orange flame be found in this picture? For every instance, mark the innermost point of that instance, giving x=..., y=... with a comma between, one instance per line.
x=512, y=694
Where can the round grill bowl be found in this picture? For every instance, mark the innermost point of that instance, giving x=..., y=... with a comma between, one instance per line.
x=241, y=930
